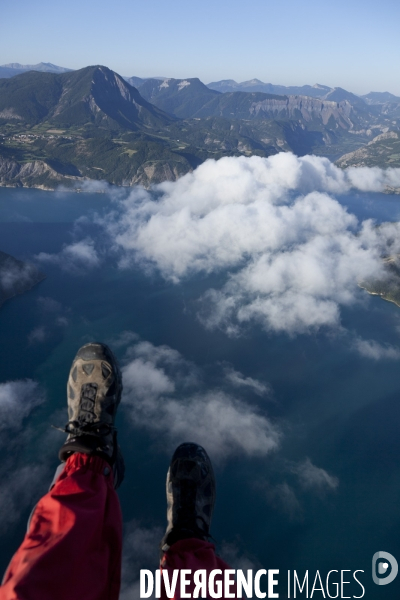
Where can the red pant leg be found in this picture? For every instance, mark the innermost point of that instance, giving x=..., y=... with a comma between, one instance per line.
x=193, y=554
x=72, y=550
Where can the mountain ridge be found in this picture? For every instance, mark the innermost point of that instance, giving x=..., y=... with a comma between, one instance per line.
x=180, y=97
x=42, y=66
x=255, y=85
x=93, y=124
x=93, y=94
x=249, y=85
x=13, y=69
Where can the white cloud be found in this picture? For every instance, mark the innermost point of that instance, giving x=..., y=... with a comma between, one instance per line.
x=375, y=350
x=286, y=497
x=17, y=400
x=154, y=370
x=124, y=339
x=290, y=254
x=15, y=275
x=314, y=478
x=76, y=257
x=161, y=394
x=146, y=381
x=237, y=379
x=301, y=288
x=373, y=179
x=223, y=424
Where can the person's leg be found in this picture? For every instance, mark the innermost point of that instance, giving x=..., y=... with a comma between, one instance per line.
x=190, y=504
x=73, y=545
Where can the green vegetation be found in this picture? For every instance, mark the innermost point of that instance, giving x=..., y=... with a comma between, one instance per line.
x=91, y=123
x=29, y=97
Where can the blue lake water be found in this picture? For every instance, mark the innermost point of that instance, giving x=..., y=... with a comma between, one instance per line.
x=335, y=407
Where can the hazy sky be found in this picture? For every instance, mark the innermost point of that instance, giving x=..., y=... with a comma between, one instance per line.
x=354, y=44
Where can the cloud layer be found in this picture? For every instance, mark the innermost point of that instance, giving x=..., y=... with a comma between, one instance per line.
x=375, y=350
x=163, y=394
x=75, y=258
x=290, y=256
x=314, y=478
x=15, y=275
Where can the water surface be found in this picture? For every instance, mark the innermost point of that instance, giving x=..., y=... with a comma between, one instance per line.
x=335, y=407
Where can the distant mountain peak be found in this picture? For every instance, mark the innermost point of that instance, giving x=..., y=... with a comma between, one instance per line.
x=256, y=85
x=252, y=82
x=179, y=97
x=42, y=66
x=339, y=94
x=94, y=94
x=230, y=82
x=380, y=98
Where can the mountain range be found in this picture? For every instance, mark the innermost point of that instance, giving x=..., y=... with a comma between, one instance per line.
x=227, y=85
x=255, y=85
x=190, y=98
x=64, y=126
x=12, y=69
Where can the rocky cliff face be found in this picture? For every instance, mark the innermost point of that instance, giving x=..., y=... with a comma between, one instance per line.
x=107, y=97
x=314, y=113
x=157, y=172
x=31, y=174
x=40, y=175
x=307, y=108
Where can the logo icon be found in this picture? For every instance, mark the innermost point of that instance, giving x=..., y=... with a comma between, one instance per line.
x=384, y=563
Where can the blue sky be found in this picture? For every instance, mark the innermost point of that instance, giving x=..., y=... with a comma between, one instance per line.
x=354, y=44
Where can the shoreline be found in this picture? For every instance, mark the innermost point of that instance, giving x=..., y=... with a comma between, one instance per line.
x=389, y=191
x=63, y=189
x=381, y=295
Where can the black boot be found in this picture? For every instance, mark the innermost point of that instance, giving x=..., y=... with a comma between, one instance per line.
x=190, y=495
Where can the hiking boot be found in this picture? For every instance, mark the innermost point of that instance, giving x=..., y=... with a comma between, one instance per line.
x=94, y=393
x=190, y=495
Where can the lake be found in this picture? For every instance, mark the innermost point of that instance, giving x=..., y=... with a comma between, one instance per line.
x=335, y=407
